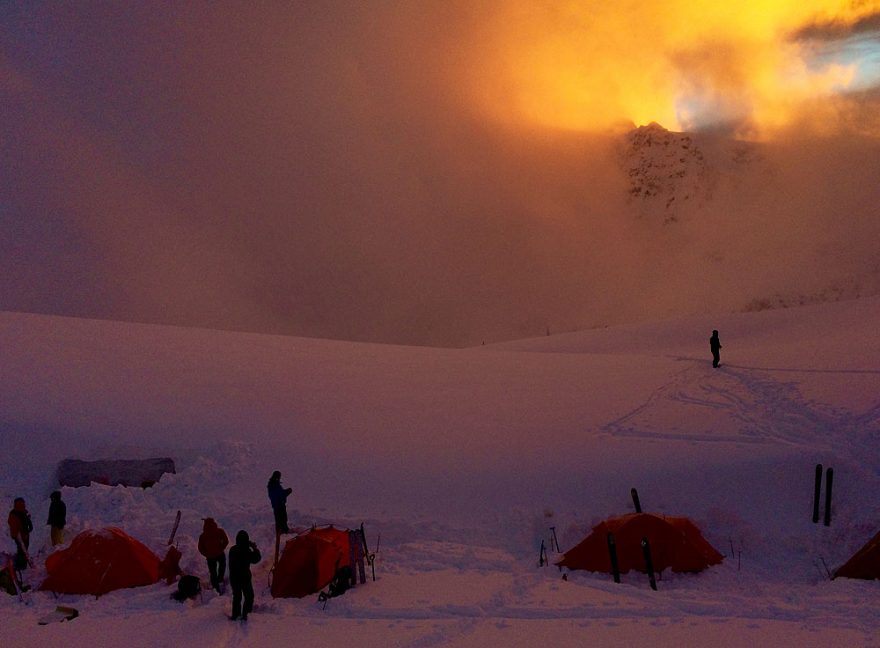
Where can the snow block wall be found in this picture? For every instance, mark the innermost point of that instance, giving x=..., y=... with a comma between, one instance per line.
x=113, y=472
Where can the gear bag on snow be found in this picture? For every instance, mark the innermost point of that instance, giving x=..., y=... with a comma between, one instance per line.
x=187, y=587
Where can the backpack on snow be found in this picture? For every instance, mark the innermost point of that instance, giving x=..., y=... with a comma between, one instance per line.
x=341, y=582
x=187, y=587
x=338, y=586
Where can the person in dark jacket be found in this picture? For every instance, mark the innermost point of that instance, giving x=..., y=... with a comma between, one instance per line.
x=20, y=527
x=715, y=347
x=278, y=497
x=242, y=555
x=212, y=545
x=57, y=518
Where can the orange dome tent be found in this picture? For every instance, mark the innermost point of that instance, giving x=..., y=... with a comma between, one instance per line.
x=676, y=543
x=309, y=561
x=865, y=563
x=100, y=561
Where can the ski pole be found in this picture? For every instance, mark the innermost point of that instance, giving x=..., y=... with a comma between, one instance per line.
x=649, y=564
x=555, y=539
x=373, y=556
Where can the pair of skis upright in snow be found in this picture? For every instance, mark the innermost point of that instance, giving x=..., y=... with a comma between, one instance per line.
x=359, y=552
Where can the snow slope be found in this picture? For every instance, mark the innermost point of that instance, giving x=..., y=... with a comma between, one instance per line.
x=462, y=460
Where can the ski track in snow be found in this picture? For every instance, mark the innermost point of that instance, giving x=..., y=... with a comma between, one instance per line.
x=757, y=407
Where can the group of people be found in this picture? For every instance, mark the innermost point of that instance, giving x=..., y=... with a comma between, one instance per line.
x=20, y=528
x=212, y=544
x=244, y=553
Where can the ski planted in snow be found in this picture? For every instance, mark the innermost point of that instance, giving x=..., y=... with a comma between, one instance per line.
x=174, y=528
x=635, y=495
x=829, y=481
x=817, y=491
x=612, y=555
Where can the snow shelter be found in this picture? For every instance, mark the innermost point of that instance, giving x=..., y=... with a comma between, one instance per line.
x=100, y=561
x=309, y=561
x=865, y=563
x=114, y=472
x=676, y=543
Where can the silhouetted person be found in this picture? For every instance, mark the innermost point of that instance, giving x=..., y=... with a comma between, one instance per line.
x=20, y=527
x=242, y=555
x=278, y=496
x=212, y=545
x=715, y=346
x=57, y=518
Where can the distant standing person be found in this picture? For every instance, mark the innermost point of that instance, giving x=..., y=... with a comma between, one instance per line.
x=242, y=555
x=20, y=527
x=212, y=545
x=278, y=496
x=57, y=518
x=715, y=346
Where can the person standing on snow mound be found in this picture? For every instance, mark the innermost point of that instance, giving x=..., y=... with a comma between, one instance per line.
x=715, y=346
x=20, y=527
x=242, y=555
x=57, y=518
x=212, y=545
x=278, y=496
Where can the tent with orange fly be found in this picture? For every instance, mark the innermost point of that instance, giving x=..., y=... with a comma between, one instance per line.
x=100, y=561
x=309, y=561
x=676, y=543
x=865, y=563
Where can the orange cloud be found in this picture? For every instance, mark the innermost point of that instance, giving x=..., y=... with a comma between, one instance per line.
x=591, y=65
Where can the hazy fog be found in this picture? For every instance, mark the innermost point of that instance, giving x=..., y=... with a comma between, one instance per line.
x=350, y=170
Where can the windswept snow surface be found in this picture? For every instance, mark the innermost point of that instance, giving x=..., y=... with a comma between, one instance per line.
x=462, y=460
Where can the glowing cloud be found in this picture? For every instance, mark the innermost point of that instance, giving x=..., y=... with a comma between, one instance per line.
x=592, y=65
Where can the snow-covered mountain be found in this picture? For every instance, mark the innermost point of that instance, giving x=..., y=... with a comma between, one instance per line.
x=751, y=203
x=673, y=173
x=666, y=170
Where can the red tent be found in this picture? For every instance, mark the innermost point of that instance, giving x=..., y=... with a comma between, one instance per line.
x=100, y=561
x=865, y=563
x=676, y=542
x=309, y=562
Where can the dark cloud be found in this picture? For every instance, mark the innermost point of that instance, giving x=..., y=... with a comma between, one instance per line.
x=838, y=30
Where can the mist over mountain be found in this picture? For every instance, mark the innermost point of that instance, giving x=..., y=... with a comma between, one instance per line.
x=288, y=171
x=497, y=239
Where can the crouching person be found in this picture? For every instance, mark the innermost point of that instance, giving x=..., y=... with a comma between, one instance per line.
x=212, y=545
x=242, y=555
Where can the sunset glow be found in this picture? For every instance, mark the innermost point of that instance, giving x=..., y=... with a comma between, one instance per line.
x=592, y=66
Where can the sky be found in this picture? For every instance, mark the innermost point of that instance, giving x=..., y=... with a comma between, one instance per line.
x=428, y=173
x=758, y=67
